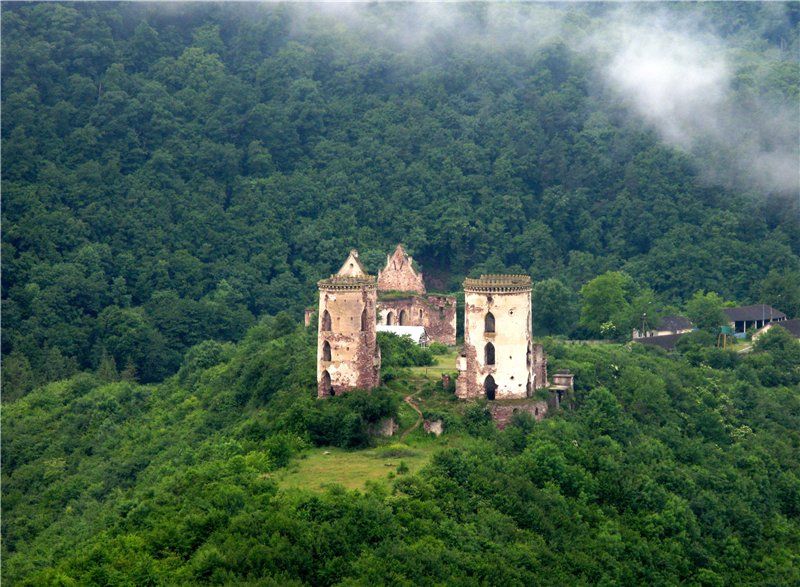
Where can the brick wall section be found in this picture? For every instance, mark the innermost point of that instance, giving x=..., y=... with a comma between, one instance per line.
x=539, y=367
x=436, y=313
x=503, y=412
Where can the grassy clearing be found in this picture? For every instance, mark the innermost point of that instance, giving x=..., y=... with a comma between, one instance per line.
x=321, y=467
x=353, y=469
x=444, y=364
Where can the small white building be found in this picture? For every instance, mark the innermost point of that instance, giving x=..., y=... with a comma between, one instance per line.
x=415, y=333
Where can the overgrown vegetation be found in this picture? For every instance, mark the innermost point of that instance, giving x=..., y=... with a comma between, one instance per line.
x=666, y=472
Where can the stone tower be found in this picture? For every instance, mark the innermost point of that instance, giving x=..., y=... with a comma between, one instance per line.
x=399, y=273
x=497, y=361
x=348, y=356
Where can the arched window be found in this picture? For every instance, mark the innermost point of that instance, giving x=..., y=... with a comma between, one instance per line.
x=402, y=320
x=325, y=384
x=326, y=321
x=488, y=354
x=420, y=317
x=326, y=351
x=389, y=319
x=364, y=320
x=488, y=324
x=489, y=387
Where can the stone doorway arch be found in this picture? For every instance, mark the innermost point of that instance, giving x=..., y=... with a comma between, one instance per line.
x=325, y=384
x=489, y=387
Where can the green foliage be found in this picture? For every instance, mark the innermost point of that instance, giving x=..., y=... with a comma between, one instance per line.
x=554, y=306
x=437, y=348
x=781, y=289
x=777, y=357
x=612, y=305
x=124, y=483
x=171, y=173
x=346, y=421
x=705, y=310
x=401, y=351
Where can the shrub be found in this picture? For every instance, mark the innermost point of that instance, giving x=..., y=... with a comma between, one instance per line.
x=437, y=348
x=401, y=351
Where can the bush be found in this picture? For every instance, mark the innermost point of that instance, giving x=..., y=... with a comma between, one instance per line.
x=477, y=419
x=401, y=351
x=437, y=348
x=345, y=420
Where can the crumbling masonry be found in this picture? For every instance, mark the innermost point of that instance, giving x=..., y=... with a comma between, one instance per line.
x=403, y=301
x=348, y=356
x=499, y=359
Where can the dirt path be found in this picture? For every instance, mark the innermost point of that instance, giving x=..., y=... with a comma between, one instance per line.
x=410, y=401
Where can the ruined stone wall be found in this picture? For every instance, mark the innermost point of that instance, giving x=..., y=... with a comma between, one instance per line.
x=539, y=367
x=502, y=413
x=354, y=353
x=440, y=319
x=436, y=313
x=512, y=370
x=307, y=315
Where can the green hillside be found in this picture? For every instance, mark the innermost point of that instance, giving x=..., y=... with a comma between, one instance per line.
x=671, y=469
x=173, y=172
x=176, y=178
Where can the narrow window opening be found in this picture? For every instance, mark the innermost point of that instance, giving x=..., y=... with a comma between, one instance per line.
x=489, y=323
x=488, y=354
x=325, y=384
x=326, y=351
x=364, y=320
x=326, y=321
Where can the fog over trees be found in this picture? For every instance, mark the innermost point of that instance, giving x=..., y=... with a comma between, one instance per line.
x=177, y=177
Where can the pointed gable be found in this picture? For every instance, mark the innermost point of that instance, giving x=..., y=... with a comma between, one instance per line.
x=399, y=273
x=352, y=266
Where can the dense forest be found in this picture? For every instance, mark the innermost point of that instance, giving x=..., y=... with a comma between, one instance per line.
x=177, y=177
x=172, y=173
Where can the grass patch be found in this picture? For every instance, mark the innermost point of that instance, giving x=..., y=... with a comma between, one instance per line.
x=445, y=363
x=395, y=451
x=350, y=469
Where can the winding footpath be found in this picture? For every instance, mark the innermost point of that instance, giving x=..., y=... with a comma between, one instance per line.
x=410, y=401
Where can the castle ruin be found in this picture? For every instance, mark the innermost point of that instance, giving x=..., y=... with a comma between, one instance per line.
x=499, y=359
x=348, y=356
x=403, y=301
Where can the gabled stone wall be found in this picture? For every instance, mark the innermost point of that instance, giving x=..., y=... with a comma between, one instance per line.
x=399, y=274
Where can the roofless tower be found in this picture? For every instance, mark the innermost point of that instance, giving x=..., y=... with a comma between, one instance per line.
x=348, y=356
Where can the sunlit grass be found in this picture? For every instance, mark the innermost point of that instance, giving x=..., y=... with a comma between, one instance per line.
x=444, y=364
x=321, y=467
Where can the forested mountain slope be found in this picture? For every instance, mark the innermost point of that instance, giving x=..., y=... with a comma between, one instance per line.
x=671, y=470
x=172, y=172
